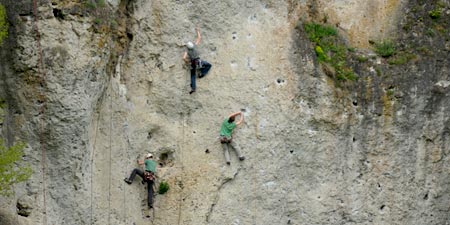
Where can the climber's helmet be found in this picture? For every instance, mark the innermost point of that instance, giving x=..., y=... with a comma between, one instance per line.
x=190, y=45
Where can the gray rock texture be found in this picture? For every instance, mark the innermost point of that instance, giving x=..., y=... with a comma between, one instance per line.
x=8, y=218
x=93, y=85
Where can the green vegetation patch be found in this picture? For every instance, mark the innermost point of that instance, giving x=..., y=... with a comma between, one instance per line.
x=163, y=187
x=3, y=24
x=362, y=59
x=101, y=13
x=435, y=13
x=329, y=50
x=401, y=58
x=10, y=174
x=98, y=21
x=385, y=48
x=316, y=32
x=94, y=4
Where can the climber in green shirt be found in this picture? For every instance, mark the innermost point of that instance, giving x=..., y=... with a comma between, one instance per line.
x=148, y=176
x=226, y=131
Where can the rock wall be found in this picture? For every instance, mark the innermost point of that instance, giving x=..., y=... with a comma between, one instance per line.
x=361, y=21
x=94, y=86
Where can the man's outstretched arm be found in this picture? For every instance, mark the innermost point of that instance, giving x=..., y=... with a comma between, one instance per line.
x=199, y=37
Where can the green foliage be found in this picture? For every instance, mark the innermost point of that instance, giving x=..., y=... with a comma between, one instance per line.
x=384, y=48
x=346, y=74
x=97, y=21
x=316, y=31
x=9, y=173
x=401, y=58
x=94, y=4
x=3, y=24
x=351, y=49
x=101, y=15
x=163, y=188
x=362, y=59
x=390, y=93
x=378, y=71
x=90, y=4
x=114, y=24
x=435, y=13
x=329, y=51
x=101, y=3
x=430, y=32
x=321, y=55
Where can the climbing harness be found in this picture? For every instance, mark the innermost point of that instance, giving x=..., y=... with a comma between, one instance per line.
x=149, y=176
x=198, y=64
x=224, y=139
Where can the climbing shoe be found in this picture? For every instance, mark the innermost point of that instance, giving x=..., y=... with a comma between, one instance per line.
x=241, y=158
x=128, y=181
x=192, y=91
x=228, y=163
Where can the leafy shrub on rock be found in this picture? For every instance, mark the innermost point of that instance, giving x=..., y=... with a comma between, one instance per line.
x=10, y=174
x=3, y=24
x=163, y=187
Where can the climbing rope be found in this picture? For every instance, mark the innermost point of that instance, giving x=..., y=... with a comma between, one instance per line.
x=183, y=143
x=42, y=100
x=99, y=118
x=126, y=171
x=127, y=150
x=92, y=167
x=110, y=151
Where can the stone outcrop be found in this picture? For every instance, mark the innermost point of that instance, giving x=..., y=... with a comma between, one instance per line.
x=93, y=85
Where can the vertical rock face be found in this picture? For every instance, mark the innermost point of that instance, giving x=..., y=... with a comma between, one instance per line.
x=93, y=86
x=53, y=78
x=360, y=21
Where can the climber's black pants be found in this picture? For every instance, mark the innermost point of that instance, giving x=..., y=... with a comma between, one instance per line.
x=149, y=185
x=150, y=193
x=203, y=71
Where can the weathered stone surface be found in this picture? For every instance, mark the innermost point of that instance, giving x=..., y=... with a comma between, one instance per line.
x=24, y=205
x=7, y=218
x=110, y=86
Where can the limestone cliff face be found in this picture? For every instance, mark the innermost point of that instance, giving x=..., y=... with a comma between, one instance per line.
x=91, y=86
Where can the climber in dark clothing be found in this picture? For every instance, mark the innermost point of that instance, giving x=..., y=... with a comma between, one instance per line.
x=148, y=176
x=192, y=58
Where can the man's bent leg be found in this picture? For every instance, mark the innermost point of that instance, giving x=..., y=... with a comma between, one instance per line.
x=133, y=175
x=237, y=149
x=205, y=69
